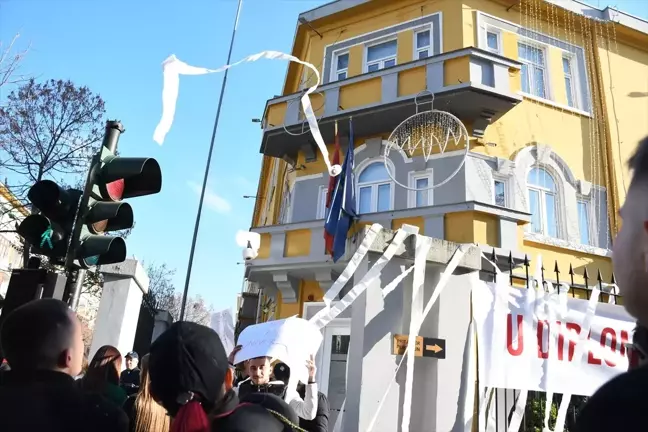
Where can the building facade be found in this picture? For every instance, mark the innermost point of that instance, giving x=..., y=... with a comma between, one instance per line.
x=13, y=212
x=550, y=97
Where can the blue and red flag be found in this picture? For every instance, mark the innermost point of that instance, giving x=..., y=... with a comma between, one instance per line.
x=342, y=210
x=328, y=238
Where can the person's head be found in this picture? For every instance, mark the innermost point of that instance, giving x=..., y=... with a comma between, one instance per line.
x=43, y=335
x=132, y=359
x=103, y=370
x=281, y=372
x=150, y=416
x=259, y=370
x=630, y=248
x=190, y=374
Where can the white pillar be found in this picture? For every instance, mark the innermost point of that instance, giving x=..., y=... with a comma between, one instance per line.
x=124, y=285
x=163, y=321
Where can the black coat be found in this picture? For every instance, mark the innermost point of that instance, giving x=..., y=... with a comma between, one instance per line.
x=48, y=401
x=619, y=405
x=252, y=414
x=321, y=421
x=129, y=380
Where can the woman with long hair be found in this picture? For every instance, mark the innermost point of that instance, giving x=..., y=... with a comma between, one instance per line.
x=145, y=414
x=102, y=376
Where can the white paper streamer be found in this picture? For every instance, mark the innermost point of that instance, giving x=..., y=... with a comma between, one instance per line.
x=466, y=400
x=443, y=281
x=328, y=314
x=173, y=68
x=353, y=264
x=423, y=245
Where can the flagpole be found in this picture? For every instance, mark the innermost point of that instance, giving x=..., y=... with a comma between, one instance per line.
x=209, y=157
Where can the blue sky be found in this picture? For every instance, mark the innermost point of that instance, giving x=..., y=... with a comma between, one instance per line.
x=116, y=49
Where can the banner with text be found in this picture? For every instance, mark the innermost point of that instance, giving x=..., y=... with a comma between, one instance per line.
x=528, y=339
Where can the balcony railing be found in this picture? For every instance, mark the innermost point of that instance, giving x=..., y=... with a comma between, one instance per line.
x=475, y=85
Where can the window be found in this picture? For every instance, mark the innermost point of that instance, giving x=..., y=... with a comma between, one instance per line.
x=381, y=55
x=493, y=41
x=583, y=222
x=321, y=204
x=422, y=44
x=422, y=197
x=569, y=81
x=533, y=69
x=374, y=189
x=341, y=66
x=543, y=202
x=500, y=193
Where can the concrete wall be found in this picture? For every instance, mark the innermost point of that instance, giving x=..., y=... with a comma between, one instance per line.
x=371, y=363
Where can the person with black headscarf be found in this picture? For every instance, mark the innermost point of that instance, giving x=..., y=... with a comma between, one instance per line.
x=192, y=379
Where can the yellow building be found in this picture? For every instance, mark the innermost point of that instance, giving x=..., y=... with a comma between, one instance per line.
x=551, y=97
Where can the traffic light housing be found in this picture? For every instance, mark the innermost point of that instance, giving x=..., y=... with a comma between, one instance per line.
x=49, y=232
x=110, y=180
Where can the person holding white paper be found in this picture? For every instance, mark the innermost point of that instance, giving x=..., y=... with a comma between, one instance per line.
x=259, y=371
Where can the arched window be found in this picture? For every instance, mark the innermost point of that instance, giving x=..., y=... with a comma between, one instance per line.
x=374, y=189
x=543, y=202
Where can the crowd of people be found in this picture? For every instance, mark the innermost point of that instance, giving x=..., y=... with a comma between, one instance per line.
x=187, y=383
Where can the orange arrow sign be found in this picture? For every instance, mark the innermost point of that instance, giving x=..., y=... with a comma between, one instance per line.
x=435, y=348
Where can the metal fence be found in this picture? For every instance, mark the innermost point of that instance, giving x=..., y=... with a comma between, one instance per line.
x=520, y=275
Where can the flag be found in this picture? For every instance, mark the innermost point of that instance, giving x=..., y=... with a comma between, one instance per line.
x=343, y=204
x=328, y=238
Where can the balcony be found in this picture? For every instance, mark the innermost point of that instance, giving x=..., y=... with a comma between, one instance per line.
x=475, y=85
x=293, y=252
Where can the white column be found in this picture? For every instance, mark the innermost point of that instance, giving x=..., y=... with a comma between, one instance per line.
x=124, y=285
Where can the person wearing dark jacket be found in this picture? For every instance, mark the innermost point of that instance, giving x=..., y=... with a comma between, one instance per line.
x=192, y=379
x=43, y=344
x=620, y=404
x=129, y=378
x=320, y=423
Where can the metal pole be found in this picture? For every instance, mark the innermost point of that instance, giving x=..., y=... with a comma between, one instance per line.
x=209, y=157
x=113, y=130
x=77, y=286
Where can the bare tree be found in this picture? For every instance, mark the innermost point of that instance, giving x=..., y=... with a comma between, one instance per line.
x=163, y=296
x=49, y=129
x=10, y=60
x=161, y=288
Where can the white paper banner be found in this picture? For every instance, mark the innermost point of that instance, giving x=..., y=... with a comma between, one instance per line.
x=222, y=322
x=537, y=353
x=173, y=68
x=292, y=340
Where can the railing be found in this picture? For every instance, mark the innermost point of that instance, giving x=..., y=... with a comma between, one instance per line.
x=505, y=399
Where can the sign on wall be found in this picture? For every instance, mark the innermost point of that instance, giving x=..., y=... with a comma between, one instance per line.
x=530, y=340
x=424, y=347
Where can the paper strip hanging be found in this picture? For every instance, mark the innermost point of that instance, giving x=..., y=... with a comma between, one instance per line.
x=173, y=68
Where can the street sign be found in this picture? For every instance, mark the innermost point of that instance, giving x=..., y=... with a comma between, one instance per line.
x=424, y=347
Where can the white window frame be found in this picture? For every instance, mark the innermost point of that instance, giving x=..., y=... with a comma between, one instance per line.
x=321, y=202
x=507, y=190
x=543, y=203
x=374, y=186
x=417, y=50
x=546, y=78
x=498, y=33
x=411, y=196
x=486, y=22
x=381, y=61
x=334, y=70
x=573, y=78
x=591, y=222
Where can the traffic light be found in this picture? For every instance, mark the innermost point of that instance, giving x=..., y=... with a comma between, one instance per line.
x=49, y=232
x=110, y=180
